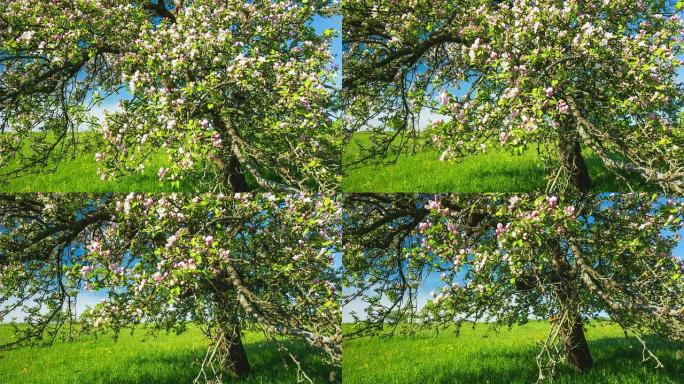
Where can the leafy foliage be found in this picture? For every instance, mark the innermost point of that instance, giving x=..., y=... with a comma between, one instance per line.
x=564, y=75
x=505, y=259
x=225, y=88
x=256, y=262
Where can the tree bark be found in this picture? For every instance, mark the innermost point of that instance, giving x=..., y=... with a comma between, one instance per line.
x=571, y=332
x=576, y=346
x=228, y=326
x=234, y=176
x=236, y=357
x=573, y=162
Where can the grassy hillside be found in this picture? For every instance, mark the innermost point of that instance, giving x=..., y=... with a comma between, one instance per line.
x=166, y=359
x=495, y=171
x=478, y=357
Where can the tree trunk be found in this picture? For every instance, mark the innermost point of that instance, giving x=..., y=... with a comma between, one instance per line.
x=574, y=164
x=234, y=175
x=236, y=357
x=572, y=332
x=228, y=325
x=576, y=346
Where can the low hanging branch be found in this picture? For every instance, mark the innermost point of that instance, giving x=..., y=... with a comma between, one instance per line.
x=226, y=264
x=181, y=63
x=501, y=257
x=516, y=76
x=251, y=304
x=671, y=180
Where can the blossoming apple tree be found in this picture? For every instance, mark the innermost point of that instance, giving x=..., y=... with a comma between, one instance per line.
x=224, y=88
x=561, y=77
x=228, y=264
x=505, y=259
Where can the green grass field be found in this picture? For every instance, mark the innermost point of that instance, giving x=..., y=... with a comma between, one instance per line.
x=495, y=171
x=506, y=357
x=80, y=175
x=166, y=359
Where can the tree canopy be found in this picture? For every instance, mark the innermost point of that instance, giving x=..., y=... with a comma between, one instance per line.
x=224, y=88
x=562, y=77
x=228, y=264
x=505, y=259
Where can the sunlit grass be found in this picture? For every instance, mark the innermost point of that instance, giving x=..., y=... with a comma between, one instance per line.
x=479, y=357
x=79, y=174
x=494, y=171
x=166, y=358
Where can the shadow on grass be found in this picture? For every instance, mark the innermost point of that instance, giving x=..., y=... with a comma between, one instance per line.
x=614, y=362
x=268, y=363
x=494, y=171
x=604, y=180
x=79, y=174
x=268, y=366
x=523, y=175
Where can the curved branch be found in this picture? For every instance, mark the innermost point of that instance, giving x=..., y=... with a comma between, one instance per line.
x=247, y=300
x=672, y=180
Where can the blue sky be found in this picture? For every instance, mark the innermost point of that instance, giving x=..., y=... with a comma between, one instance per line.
x=321, y=24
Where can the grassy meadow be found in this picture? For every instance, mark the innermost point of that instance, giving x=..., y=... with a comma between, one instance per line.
x=80, y=175
x=479, y=357
x=164, y=359
x=495, y=171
